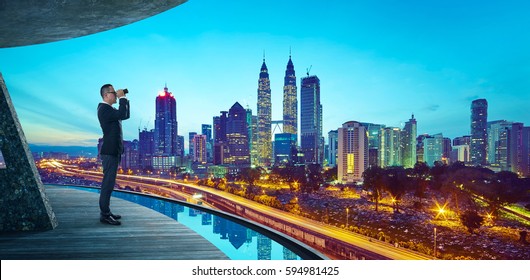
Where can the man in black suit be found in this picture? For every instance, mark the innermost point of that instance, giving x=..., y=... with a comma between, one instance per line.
x=110, y=121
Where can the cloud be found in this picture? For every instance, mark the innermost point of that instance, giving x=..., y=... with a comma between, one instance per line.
x=432, y=108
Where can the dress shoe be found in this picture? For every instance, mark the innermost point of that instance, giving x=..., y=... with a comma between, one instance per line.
x=109, y=220
x=115, y=216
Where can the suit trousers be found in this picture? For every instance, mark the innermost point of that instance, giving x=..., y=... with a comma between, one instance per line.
x=110, y=169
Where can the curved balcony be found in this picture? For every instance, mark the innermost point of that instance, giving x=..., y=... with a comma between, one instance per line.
x=175, y=230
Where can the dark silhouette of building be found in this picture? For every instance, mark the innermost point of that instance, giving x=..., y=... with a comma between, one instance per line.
x=479, y=132
x=219, y=124
x=167, y=151
x=312, y=143
x=146, y=146
x=284, y=148
x=237, y=152
x=166, y=125
x=408, y=143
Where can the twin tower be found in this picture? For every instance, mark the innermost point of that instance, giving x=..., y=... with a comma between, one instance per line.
x=311, y=117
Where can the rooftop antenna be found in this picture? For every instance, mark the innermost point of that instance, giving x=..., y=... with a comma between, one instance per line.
x=308, y=69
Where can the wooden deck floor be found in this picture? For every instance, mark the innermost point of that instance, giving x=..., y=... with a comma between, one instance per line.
x=144, y=234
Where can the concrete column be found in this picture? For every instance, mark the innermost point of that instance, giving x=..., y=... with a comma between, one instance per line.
x=23, y=203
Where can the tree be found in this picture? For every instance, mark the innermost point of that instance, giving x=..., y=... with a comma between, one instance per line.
x=330, y=174
x=293, y=175
x=462, y=183
x=504, y=188
x=373, y=182
x=250, y=175
x=438, y=171
x=314, y=178
x=471, y=220
x=421, y=175
x=395, y=183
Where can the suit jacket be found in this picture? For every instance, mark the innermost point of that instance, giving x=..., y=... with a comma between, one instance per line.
x=110, y=121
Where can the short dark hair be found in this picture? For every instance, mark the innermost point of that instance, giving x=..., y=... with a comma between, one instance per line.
x=104, y=89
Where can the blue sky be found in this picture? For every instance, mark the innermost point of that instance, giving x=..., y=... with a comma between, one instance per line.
x=378, y=61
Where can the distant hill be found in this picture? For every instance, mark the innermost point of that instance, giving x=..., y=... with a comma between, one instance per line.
x=72, y=151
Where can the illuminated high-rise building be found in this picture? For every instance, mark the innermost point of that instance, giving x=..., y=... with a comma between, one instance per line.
x=191, y=152
x=496, y=148
x=479, y=133
x=510, y=155
x=207, y=131
x=373, y=142
x=146, y=145
x=129, y=158
x=311, y=141
x=236, y=152
x=252, y=123
x=433, y=149
x=219, y=135
x=199, y=148
x=290, y=101
x=390, y=147
x=264, y=118
x=408, y=143
x=333, y=143
x=352, y=152
x=166, y=125
x=284, y=148
x=525, y=152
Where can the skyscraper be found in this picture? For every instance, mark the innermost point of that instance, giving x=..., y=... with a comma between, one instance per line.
x=284, y=148
x=390, y=147
x=373, y=142
x=433, y=149
x=525, y=157
x=312, y=144
x=252, y=123
x=290, y=101
x=199, y=148
x=408, y=143
x=207, y=131
x=219, y=135
x=446, y=150
x=166, y=125
x=479, y=133
x=333, y=142
x=191, y=150
x=264, y=118
x=352, y=152
x=237, y=152
x=496, y=151
x=145, y=150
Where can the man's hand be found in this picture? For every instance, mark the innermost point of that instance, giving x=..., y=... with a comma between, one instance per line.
x=120, y=93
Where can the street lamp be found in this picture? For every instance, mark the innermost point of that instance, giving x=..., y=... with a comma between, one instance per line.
x=434, y=242
x=347, y=216
x=441, y=210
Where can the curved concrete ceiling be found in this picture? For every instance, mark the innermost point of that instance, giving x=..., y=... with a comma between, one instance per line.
x=29, y=22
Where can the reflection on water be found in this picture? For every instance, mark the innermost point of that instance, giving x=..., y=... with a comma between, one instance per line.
x=236, y=241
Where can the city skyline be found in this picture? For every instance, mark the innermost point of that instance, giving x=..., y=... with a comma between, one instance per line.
x=377, y=64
